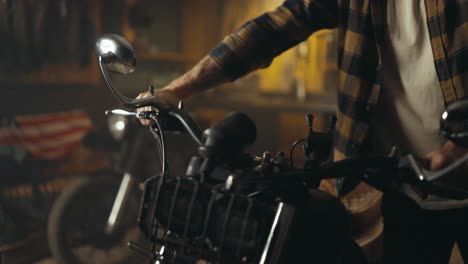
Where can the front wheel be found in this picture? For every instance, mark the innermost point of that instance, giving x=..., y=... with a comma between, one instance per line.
x=78, y=218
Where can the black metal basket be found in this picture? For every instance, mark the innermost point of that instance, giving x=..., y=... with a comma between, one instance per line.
x=204, y=220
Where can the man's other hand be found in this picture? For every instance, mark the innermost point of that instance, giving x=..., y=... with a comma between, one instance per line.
x=442, y=157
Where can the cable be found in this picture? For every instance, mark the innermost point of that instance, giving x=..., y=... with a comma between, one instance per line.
x=162, y=144
x=291, y=152
x=158, y=141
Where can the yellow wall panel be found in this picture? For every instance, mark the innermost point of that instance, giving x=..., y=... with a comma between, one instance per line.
x=293, y=70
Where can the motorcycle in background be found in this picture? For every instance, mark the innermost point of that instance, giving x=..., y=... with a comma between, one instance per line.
x=95, y=215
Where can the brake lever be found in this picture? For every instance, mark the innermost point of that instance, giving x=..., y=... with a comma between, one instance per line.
x=415, y=166
x=424, y=174
x=426, y=179
x=434, y=175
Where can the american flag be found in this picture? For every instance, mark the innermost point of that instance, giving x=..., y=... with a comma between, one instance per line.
x=48, y=136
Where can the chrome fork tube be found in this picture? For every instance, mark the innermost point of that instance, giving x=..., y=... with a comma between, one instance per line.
x=273, y=229
x=120, y=200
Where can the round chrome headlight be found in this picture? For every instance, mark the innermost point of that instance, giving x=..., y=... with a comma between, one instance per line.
x=117, y=126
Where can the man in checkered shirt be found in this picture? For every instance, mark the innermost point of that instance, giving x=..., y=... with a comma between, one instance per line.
x=400, y=63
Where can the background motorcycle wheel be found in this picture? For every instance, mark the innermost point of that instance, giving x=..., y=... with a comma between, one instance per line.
x=77, y=220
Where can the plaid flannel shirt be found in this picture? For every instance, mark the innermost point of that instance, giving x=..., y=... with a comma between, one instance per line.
x=361, y=25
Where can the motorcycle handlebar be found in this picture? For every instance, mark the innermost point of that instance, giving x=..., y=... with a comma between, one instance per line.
x=373, y=165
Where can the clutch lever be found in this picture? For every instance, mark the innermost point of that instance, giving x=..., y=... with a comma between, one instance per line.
x=121, y=112
x=139, y=115
x=183, y=121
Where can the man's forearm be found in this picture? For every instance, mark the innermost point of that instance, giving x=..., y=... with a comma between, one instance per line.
x=256, y=43
x=203, y=76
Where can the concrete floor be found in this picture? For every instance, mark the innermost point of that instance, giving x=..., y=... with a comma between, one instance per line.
x=30, y=253
x=455, y=259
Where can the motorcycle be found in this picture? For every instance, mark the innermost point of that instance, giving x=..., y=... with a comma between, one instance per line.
x=233, y=207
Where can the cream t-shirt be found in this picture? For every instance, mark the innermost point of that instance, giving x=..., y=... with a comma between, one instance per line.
x=411, y=102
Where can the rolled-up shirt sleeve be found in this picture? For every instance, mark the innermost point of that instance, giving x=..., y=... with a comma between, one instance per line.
x=258, y=41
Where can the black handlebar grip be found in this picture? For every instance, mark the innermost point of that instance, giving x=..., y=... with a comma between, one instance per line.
x=454, y=123
x=232, y=134
x=457, y=110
